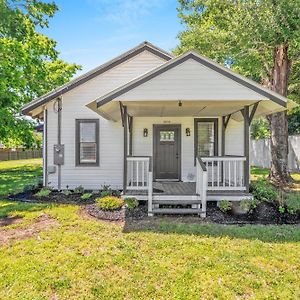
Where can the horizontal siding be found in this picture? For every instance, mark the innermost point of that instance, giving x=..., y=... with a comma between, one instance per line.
x=143, y=146
x=234, y=141
x=110, y=170
x=191, y=81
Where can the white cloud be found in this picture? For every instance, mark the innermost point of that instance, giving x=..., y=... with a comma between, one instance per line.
x=124, y=12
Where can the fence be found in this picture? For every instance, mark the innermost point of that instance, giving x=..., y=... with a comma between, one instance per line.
x=8, y=154
x=260, y=153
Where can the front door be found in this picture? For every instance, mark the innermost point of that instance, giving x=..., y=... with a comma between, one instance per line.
x=166, y=152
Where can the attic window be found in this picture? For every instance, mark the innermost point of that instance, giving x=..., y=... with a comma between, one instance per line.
x=87, y=142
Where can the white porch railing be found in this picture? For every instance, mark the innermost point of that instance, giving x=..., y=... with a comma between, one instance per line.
x=201, y=184
x=139, y=176
x=225, y=172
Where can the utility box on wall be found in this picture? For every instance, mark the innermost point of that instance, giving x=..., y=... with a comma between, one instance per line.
x=59, y=154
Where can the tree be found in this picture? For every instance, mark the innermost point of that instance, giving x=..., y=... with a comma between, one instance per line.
x=29, y=64
x=260, y=129
x=260, y=39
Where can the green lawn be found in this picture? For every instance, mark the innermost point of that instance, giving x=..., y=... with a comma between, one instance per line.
x=157, y=258
x=257, y=172
x=15, y=174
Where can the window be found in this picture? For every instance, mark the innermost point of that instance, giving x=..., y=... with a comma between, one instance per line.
x=87, y=142
x=206, y=137
x=167, y=136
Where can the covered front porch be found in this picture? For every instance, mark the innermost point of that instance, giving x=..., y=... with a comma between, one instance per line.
x=177, y=164
x=186, y=133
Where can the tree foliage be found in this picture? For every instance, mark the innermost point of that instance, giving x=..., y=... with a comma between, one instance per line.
x=29, y=63
x=259, y=39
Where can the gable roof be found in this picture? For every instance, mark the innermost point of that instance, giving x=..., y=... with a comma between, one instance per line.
x=277, y=98
x=95, y=72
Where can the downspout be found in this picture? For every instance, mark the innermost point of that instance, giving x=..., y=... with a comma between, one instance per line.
x=58, y=109
x=45, y=148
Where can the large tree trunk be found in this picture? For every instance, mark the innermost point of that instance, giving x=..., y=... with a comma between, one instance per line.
x=278, y=122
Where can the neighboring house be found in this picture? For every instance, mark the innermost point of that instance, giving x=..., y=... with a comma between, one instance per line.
x=181, y=121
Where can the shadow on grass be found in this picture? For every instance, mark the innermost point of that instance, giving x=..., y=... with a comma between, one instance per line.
x=7, y=207
x=194, y=226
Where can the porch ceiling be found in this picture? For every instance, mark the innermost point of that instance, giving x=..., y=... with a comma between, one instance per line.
x=189, y=108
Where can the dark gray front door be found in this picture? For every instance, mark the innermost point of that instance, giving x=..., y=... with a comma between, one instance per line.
x=167, y=156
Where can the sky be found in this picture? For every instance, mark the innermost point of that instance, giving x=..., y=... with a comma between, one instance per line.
x=90, y=32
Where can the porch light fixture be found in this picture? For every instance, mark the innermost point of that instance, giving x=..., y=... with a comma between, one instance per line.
x=188, y=132
x=145, y=132
x=179, y=103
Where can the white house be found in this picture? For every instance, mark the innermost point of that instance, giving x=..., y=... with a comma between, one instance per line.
x=165, y=129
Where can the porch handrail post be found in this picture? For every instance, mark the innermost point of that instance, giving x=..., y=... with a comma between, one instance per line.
x=201, y=184
x=203, y=195
x=150, y=192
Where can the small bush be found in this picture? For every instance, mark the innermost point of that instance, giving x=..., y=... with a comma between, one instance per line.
x=28, y=188
x=67, y=192
x=110, y=203
x=79, y=189
x=263, y=190
x=106, y=190
x=224, y=206
x=248, y=205
x=44, y=192
x=86, y=196
x=293, y=203
x=131, y=202
x=106, y=194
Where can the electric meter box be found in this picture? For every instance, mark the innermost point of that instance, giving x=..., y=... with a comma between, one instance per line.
x=59, y=154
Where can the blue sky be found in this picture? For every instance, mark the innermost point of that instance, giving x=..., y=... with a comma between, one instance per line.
x=90, y=32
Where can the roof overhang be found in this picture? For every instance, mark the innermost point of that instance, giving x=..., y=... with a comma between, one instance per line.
x=184, y=108
x=108, y=105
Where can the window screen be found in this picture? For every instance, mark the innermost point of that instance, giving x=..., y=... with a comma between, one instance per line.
x=206, y=137
x=87, y=142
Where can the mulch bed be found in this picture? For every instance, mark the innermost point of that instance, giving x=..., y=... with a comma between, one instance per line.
x=54, y=197
x=122, y=214
x=264, y=213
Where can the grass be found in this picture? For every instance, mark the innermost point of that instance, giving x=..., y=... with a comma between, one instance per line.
x=15, y=174
x=156, y=258
x=257, y=172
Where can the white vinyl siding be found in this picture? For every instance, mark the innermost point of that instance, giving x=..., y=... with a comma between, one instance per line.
x=234, y=143
x=143, y=146
x=110, y=170
x=190, y=81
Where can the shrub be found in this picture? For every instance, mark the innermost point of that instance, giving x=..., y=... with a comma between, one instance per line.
x=86, y=196
x=106, y=190
x=131, y=202
x=110, y=203
x=79, y=189
x=67, y=192
x=248, y=205
x=263, y=190
x=293, y=203
x=44, y=192
x=224, y=206
x=28, y=188
x=105, y=194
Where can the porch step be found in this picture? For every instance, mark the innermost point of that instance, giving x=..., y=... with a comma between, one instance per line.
x=177, y=211
x=176, y=201
x=182, y=198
